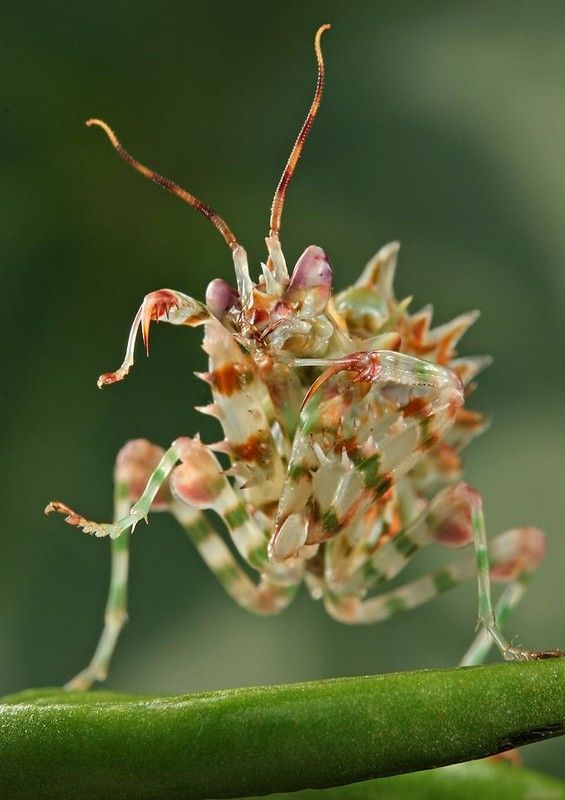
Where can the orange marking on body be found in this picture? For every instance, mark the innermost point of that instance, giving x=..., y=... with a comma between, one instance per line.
x=256, y=449
x=417, y=407
x=447, y=458
x=468, y=418
x=227, y=379
x=419, y=329
x=107, y=378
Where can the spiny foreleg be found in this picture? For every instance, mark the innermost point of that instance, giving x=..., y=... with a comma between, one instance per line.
x=163, y=305
x=365, y=422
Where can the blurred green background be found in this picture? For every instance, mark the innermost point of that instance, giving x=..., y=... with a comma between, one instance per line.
x=443, y=126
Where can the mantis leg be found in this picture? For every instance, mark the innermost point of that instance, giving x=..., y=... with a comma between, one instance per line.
x=133, y=463
x=139, y=510
x=513, y=556
x=200, y=482
x=266, y=598
x=164, y=305
x=516, y=568
x=455, y=518
x=115, y=615
x=481, y=644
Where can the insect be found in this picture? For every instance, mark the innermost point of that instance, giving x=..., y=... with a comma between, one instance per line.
x=343, y=417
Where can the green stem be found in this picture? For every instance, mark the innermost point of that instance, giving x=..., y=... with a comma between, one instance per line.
x=272, y=739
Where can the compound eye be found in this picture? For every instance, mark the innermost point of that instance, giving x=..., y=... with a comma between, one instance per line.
x=313, y=268
x=220, y=297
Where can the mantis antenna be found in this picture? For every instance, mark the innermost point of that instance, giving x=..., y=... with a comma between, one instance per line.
x=169, y=185
x=288, y=172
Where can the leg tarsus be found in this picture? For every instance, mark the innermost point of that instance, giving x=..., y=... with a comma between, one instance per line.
x=139, y=510
x=530, y=551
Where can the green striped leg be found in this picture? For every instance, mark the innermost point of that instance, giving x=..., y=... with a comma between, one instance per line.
x=455, y=518
x=138, y=511
x=514, y=555
x=445, y=520
x=533, y=550
x=200, y=482
x=482, y=643
x=116, y=615
x=265, y=598
x=354, y=610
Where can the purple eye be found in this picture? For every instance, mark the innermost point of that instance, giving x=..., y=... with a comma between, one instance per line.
x=312, y=269
x=220, y=297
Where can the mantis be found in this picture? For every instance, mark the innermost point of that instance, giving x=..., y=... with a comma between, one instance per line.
x=343, y=418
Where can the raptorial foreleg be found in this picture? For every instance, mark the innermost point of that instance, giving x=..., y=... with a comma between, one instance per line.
x=163, y=305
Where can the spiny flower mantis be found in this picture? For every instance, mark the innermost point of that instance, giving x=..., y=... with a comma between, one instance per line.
x=343, y=416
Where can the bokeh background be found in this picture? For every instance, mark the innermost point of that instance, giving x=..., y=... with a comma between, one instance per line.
x=443, y=126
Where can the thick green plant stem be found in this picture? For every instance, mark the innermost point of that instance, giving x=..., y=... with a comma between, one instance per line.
x=272, y=739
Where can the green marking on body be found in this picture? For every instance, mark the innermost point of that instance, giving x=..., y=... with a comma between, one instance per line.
x=477, y=522
x=258, y=557
x=236, y=516
x=330, y=521
x=159, y=475
x=369, y=467
x=371, y=573
x=227, y=575
x=309, y=415
x=296, y=471
x=395, y=603
x=425, y=432
x=443, y=581
x=117, y=596
x=422, y=370
x=482, y=560
x=121, y=492
x=120, y=543
x=404, y=545
x=287, y=591
x=199, y=530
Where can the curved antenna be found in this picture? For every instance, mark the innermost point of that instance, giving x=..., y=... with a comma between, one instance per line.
x=278, y=199
x=169, y=185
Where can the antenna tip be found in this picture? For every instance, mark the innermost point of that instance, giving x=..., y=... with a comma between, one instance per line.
x=99, y=123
